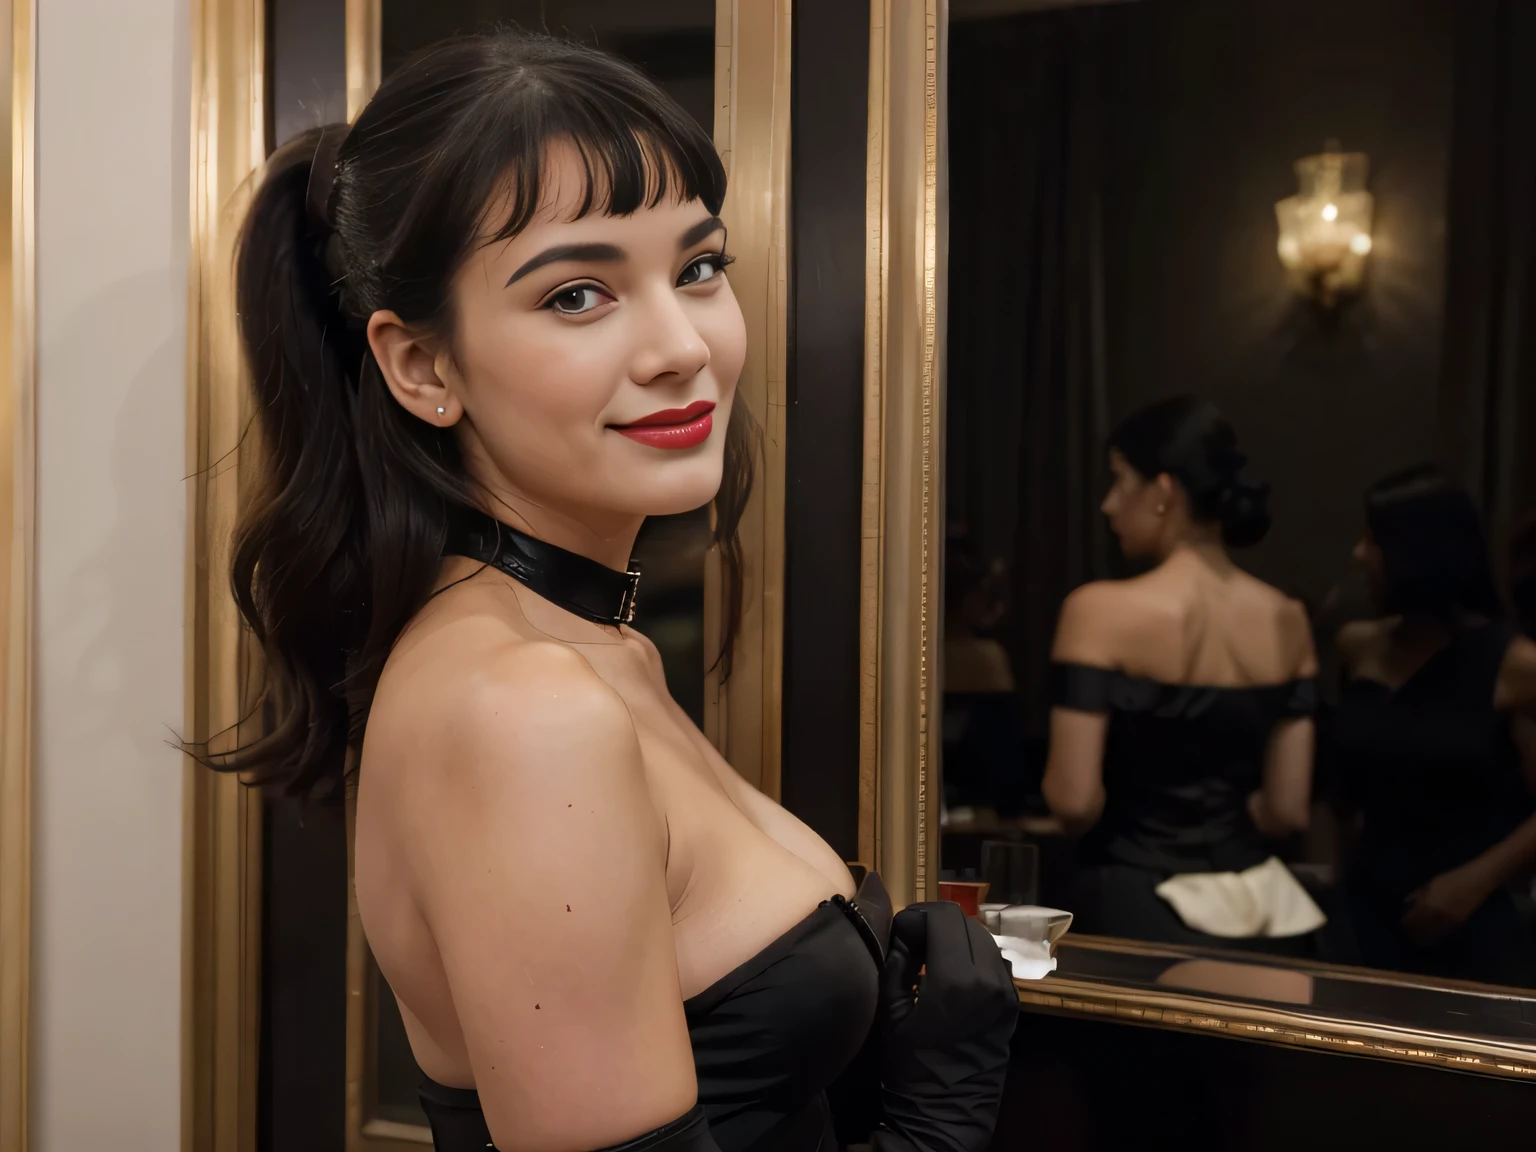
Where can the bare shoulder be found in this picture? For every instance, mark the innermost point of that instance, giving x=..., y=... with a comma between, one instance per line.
x=489, y=715
x=651, y=652
x=1293, y=625
x=1095, y=619
x=514, y=813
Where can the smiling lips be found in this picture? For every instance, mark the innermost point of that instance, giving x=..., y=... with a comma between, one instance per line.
x=672, y=427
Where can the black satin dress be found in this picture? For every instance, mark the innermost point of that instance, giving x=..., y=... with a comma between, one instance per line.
x=769, y=1039
x=1180, y=762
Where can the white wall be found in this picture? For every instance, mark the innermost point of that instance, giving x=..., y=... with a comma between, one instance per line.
x=113, y=142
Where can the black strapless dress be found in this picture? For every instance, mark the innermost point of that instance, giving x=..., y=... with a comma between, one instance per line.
x=1180, y=762
x=769, y=1039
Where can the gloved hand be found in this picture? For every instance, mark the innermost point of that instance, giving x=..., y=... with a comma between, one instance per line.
x=945, y=1034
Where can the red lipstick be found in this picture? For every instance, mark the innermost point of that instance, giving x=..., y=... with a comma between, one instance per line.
x=672, y=427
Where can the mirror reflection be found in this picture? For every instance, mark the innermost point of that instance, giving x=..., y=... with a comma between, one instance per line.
x=1241, y=539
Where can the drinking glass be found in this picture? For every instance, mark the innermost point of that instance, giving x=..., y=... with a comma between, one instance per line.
x=1011, y=868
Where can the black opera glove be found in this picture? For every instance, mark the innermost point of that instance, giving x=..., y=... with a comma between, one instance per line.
x=944, y=1049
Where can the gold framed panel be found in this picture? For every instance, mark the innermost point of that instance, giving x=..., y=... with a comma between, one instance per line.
x=900, y=597
x=222, y=848
x=18, y=530
x=743, y=715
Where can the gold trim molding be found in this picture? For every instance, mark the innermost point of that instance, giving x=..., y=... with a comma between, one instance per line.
x=365, y=49
x=744, y=716
x=1210, y=1015
x=222, y=904
x=18, y=530
x=902, y=545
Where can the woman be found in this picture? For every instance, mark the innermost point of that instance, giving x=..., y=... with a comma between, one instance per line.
x=491, y=331
x=1436, y=739
x=1181, y=728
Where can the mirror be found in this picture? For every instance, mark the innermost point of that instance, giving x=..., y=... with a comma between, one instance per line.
x=1302, y=215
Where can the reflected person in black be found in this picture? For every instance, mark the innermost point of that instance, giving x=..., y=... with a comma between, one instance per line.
x=1436, y=743
x=1182, y=725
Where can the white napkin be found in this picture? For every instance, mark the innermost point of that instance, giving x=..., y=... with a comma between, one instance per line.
x=1031, y=959
x=1025, y=935
x=1265, y=900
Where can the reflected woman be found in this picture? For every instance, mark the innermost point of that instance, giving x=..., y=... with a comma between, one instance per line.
x=1182, y=724
x=1436, y=740
x=491, y=330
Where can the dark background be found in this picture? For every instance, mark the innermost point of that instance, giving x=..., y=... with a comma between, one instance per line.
x=1203, y=107
x=1210, y=103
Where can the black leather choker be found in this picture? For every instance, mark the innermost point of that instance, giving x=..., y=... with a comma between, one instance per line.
x=580, y=585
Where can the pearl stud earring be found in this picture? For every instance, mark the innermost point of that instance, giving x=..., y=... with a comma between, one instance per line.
x=442, y=411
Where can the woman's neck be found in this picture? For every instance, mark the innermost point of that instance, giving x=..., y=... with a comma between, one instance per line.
x=1206, y=551
x=607, y=538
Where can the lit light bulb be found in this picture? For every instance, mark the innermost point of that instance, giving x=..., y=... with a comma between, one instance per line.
x=1330, y=212
x=1360, y=245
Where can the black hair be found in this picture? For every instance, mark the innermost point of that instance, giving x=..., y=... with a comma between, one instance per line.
x=1188, y=440
x=1433, y=550
x=340, y=545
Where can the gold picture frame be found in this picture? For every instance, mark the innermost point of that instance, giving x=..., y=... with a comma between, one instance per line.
x=743, y=715
x=1291, y=1025
x=18, y=530
x=222, y=847
x=900, y=620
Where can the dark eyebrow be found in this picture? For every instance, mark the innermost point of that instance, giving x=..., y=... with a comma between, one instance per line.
x=604, y=253
x=701, y=230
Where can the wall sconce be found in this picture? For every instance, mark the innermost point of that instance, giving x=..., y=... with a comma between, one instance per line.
x=1325, y=229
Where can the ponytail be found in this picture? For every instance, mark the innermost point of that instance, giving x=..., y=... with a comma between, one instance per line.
x=296, y=576
x=337, y=455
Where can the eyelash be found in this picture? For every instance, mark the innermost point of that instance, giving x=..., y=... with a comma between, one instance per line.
x=721, y=260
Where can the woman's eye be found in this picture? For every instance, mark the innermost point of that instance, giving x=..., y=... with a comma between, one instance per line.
x=702, y=269
x=575, y=301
